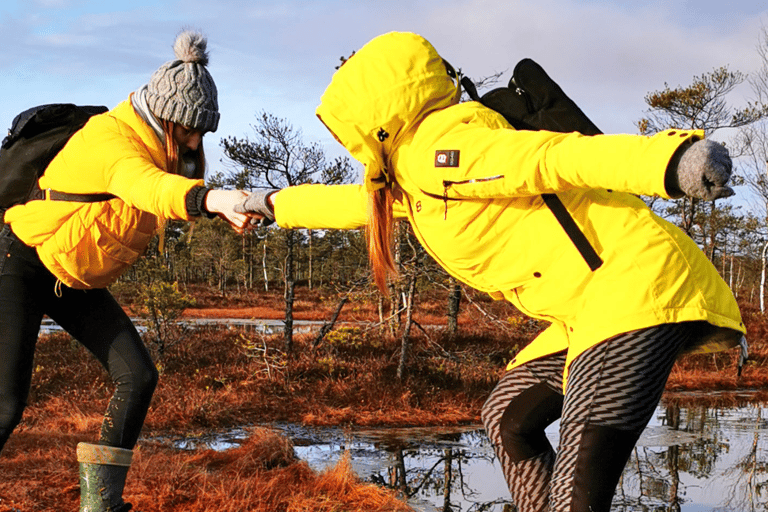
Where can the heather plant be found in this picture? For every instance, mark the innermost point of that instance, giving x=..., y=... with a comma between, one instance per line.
x=346, y=337
x=219, y=379
x=162, y=304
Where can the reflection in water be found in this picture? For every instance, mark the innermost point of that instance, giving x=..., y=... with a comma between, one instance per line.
x=688, y=460
x=437, y=469
x=723, y=468
x=457, y=477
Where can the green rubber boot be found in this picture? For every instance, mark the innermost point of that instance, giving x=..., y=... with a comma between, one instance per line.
x=102, y=477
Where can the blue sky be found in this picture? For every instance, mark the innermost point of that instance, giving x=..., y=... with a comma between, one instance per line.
x=279, y=56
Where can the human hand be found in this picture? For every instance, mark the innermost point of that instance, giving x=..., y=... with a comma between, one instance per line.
x=258, y=207
x=702, y=171
x=223, y=203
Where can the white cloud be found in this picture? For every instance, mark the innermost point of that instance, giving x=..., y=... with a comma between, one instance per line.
x=279, y=55
x=606, y=55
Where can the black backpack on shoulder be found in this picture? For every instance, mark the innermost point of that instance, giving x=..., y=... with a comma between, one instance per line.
x=34, y=138
x=533, y=101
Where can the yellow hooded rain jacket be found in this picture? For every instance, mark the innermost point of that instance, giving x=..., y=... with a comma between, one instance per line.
x=471, y=188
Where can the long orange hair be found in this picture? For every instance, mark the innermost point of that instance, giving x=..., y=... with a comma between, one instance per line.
x=379, y=234
x=174, y=167
x=172, y=152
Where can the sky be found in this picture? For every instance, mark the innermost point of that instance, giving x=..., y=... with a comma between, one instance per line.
x=278, y=56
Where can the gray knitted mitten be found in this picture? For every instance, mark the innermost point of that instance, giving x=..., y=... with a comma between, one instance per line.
x=702, y=171
x=257, y=202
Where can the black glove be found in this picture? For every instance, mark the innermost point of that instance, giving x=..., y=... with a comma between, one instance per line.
x=700, y=170
x=257, y=202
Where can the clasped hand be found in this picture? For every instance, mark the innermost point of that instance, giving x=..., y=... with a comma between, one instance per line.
x=224, y=202
x=258, y=206
x=242, y=210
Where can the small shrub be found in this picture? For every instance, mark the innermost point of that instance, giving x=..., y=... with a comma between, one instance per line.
x=346, y=337
x=161, y=305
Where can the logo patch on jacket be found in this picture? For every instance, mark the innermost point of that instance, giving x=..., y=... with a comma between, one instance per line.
x=447, y=158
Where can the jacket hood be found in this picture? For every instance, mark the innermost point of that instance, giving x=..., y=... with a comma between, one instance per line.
x=380, y=93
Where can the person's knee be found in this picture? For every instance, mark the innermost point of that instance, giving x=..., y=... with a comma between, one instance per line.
x=520, y=441
x=522, y=426
x=146, y=380
x=139, y=382
x=11, y=410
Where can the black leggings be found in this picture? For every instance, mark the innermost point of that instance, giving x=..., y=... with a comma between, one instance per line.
x=613, y=390
x=93, y=317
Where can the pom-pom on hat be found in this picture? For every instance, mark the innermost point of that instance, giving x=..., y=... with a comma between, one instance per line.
x=182, y=90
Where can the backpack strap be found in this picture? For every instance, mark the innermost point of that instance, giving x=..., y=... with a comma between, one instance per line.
x=35, y=137
x=55, y=195
x=469, y=86
x=571, y=229
x=533, y=101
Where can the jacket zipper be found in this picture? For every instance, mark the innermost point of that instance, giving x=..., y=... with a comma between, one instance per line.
x=448, y=184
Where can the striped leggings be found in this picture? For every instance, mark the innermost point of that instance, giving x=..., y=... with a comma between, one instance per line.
x=613, y=389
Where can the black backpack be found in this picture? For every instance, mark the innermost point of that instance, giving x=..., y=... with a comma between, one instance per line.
x=533, y=101
x=35, y=137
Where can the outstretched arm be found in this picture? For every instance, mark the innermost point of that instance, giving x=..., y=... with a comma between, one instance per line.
x=313, y=206
x=494, y=161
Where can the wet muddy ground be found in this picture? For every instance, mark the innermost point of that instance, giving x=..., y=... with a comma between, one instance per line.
x=688, y=459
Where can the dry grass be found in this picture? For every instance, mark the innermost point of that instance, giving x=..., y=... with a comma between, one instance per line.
x=261, y=475
x=317, y=305
x=222, y=378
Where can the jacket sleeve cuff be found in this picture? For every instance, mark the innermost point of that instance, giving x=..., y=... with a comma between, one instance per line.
x=195, y=202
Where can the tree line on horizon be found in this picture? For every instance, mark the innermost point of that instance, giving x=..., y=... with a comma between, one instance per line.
x=733, y=237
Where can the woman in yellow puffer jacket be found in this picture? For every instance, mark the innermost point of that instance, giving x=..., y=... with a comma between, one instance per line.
x=471, y=187
x=58, y=257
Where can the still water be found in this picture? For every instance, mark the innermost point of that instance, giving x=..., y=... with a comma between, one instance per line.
x=690, y=459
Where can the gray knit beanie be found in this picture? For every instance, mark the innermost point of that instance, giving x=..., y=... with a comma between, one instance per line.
x=182, y=90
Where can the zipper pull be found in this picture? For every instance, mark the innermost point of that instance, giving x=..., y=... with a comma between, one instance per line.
x=446, y=185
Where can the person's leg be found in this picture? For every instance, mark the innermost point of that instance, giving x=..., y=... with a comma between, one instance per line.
x=20, y=317
x=613, y=390
x=103, y=470
x=526, y=401
x=96, y=320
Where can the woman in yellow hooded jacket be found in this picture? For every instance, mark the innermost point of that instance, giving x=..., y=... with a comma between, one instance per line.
x=471, y=187
x=58, y=257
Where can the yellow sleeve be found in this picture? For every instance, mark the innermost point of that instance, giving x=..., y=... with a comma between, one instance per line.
x=109, y=156
x=490, y=162
x=321, y=207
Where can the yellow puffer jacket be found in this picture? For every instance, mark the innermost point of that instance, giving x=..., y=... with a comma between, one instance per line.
x=471, y=187
x=88, y=245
